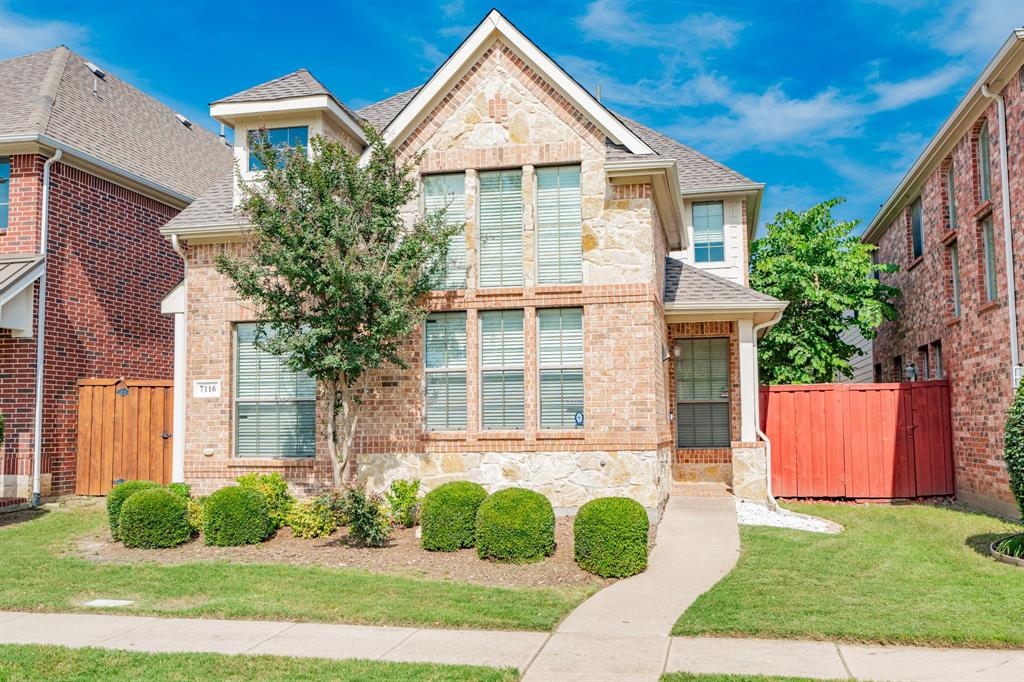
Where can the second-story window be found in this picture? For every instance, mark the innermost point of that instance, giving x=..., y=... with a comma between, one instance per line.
x=708, y=232
x=989, y=244
x=5, y=192
x=501, y=229
x=445, y=365
x=954, y=255
x=282, y=139
x=917, y=228
x=951, y=196
x=984, y=165
x=559, y=226
x=560, y=363
x=501, y=369
x=449, y=192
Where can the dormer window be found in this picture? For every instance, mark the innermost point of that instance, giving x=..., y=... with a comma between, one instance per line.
x=282, y=139
x=708, y=232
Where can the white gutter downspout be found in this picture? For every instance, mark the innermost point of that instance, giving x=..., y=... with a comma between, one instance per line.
x=1004, y=175
x=37, y=428
x=180, y=354
x=772, y=504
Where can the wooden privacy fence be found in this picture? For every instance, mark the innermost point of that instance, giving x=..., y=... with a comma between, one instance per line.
x=124, y=432
x=859, y=440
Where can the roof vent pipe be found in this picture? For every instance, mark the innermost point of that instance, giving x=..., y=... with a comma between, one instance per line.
x=1004, y=191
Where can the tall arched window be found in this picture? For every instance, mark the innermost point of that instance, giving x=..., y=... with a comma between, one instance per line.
x=984, y=169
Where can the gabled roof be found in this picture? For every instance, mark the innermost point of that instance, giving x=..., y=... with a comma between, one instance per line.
x=381, y=113
x=690, y=288
x=495, y=25
x=214, y=209
x=299, y=83
x=54, y=94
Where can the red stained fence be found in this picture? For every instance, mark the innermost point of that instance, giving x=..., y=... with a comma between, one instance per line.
x=859, y=440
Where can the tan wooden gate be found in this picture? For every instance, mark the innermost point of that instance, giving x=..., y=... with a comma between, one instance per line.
x=124, y=432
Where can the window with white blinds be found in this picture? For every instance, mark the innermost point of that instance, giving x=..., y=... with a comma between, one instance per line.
x=559, y=226
x=708, y=231
x=560, y=363
x=501, y=228
x=275, y=408
x=501, y=369
x=702, y=393
x=445, y=366
x=449, y=192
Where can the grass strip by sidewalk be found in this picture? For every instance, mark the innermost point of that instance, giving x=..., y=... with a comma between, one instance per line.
x=907, y=574
x=20, y=662
x=35, y=577
x=694, y=677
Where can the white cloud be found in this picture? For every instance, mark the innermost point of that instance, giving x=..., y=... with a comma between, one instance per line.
x=615, y=22
x=21, y=35
x=898, y=95
x=974, y=29
x=453, y=8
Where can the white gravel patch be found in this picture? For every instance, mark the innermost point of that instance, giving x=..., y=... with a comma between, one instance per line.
x=754, y=514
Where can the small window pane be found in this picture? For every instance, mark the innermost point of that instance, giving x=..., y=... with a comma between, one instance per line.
x=708, y=231
x=501, y=228
x=954, y=254
x=560, y=361
x=501, y=364
x=984, y=164
x=917, y=228
x=283, y=139
x=445, y=363
x=5, y=192
x=449, y=192
x=951, y=197
x=559, y=225
x=990, y=259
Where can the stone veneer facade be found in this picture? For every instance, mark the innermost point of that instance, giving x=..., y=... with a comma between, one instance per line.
x=975, y=354
x=501, y=114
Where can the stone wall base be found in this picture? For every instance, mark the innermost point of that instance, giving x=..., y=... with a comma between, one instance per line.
x=750, y=472
x=568, y=479
x=20, y=485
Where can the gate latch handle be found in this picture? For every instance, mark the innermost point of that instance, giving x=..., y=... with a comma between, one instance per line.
x=165, y=436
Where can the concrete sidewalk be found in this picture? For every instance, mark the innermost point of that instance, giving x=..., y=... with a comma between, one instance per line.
x=642, y=657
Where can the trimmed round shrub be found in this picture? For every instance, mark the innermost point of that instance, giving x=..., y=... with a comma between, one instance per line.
x=117, y=496
x=610, y=537
x=275, y=489
x=448, y=516
x=154, y=518
x=236, y=516
x=1013, y=451
x=183, y=490
x=515, y=525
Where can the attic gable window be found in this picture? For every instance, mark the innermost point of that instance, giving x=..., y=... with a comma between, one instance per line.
x=708, y=232
x=282, y=139
x=5, y=192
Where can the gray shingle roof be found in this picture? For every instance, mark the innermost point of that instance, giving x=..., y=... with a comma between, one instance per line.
x=380, y=114
x=51, y=93
x=15, y=269
x=213, y=209
x=299, y=83
x=687, y=284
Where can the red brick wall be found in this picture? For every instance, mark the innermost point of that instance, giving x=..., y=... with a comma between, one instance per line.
x=108, y=269
x=975, y=345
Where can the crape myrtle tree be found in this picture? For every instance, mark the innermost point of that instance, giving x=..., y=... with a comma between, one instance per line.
x=338, y=267
x=827, y=274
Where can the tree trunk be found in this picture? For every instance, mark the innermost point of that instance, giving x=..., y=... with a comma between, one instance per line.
x=332, y=435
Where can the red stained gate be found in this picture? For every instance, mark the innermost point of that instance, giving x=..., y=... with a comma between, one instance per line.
x=859, y=440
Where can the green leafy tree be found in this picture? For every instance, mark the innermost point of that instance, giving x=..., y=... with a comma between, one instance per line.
x=827, y=275
x=339, y=263
x=1013, y=452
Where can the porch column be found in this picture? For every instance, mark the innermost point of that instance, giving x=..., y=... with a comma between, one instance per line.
x=748, y=381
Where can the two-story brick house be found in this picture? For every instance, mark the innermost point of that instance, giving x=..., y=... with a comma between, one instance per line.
x=595, y=336
x=96, y=166
x=953, y=225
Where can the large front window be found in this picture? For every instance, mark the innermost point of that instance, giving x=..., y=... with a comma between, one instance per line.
x=275, y=407
x=501, y=369
x=445, y=352
x=702, y=393
x=282, y=140
x=501, y=228
x=708, y=232
x=559, y=226
x=560, y=361
x=448, y=192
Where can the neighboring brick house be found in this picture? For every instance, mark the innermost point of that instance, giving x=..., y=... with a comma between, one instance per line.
x=584, y=292
x=946, y=226
x=127, y=165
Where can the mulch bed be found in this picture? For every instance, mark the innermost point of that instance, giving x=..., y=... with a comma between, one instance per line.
x=402, y=556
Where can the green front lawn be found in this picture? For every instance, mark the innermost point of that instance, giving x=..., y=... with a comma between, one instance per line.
x=33, y=576
x=693, y=677
x=29, y=662
x=911, y=574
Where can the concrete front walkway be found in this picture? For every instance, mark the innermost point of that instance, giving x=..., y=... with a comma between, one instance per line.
x=632, y=658
x=621, y=633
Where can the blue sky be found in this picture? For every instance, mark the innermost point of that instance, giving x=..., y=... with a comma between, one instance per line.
x=816, y=99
